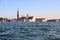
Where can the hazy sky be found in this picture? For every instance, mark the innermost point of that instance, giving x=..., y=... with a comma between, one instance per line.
x=38, y=8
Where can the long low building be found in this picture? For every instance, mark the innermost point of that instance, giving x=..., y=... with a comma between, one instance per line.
x=40, y=19
x=53, y=20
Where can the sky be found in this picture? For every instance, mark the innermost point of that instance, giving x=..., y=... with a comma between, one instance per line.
x=49, y=9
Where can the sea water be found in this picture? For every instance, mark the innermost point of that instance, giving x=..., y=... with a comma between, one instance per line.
x=30, y=31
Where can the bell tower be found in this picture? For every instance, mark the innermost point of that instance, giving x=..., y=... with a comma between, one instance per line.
x=18, y=14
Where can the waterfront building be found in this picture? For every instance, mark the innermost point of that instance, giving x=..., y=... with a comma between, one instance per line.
x=53, y=20
x=40, y=19
x=3, y=19
x=27, y=19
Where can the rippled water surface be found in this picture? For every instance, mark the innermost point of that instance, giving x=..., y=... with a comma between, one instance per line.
x=30, y=31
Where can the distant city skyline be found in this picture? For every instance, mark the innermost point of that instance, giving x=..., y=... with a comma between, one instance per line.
x=49, y=9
